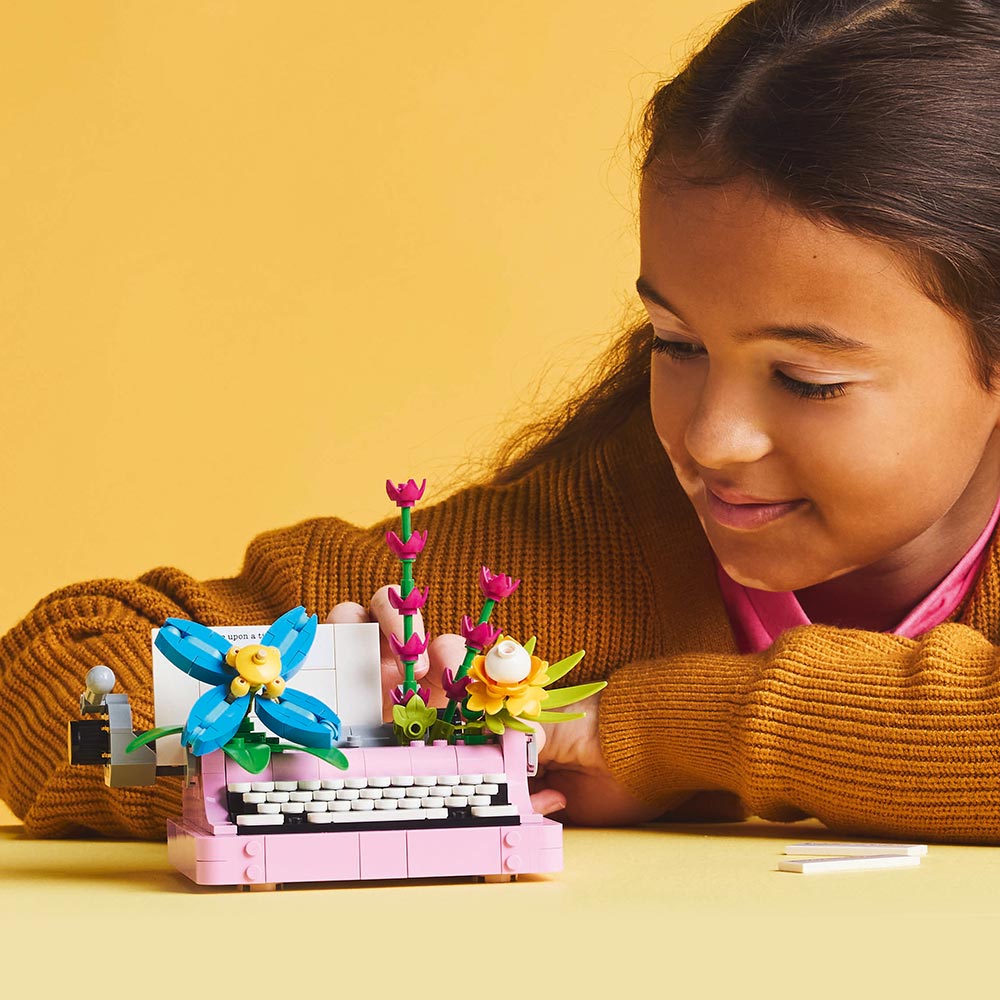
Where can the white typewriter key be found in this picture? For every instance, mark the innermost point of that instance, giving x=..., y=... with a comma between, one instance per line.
x=448, y=779
x=442, y=791
x=339, y=806
x=434, y=814
x=332, y=783
x=494, y=810
x=416, y=792
x=300, y=797
x=495, y=779
x=464, y=789
x=293, y=808
x=286, y=786
x=371, y=793
x=324, y=817
x=479, y=800
x=394, y=793
x=401, y=780
x=348, y=794
x=472, y=779
x=409, y=803
x=432, y=802
x=362, y=805
x=255, y=819
x=490, y=789
x=355, y=782
x=269, y=808
x=386, y=804
x=379, y=781
x=325, y=795
x=426, y=780
x=262, y=786
x=456, y=802
x=310, y=786
x=315, y=807
x=251, y=797
x=239, y=786
x=277, y=796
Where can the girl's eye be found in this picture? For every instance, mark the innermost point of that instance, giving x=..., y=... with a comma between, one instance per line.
x=678, y=350
x=810, y=390
x=683, y=350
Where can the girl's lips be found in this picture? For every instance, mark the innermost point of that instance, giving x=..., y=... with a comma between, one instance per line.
x=747, y=515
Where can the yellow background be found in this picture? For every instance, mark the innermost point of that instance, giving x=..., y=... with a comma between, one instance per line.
x=258, y=257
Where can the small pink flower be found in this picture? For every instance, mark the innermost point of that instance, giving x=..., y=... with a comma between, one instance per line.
x=455, y=690
x=410, y=604
x=496, y=586
x=409, y=549
x=401, y=697
x=409, y=650
x=405, y=494
x=477, y=636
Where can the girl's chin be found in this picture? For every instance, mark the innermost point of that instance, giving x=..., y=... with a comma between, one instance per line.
x=776, y=579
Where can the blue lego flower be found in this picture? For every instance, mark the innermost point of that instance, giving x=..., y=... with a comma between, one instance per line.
x=245, y=677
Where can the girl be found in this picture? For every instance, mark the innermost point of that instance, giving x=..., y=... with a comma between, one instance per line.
x=770, y=521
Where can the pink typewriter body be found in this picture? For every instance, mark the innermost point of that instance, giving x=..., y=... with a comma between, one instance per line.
x=498, y=838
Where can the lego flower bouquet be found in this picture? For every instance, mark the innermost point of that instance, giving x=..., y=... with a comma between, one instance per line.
x=489, y=691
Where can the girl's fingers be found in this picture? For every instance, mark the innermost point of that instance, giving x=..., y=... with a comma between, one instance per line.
x=347, y=613
x=391, y=621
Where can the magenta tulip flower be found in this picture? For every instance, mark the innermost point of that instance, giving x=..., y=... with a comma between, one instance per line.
x=410, y=604
x=402, y=697
x=478, y=636
x=454, y=689
x=410, y=649
x=496, y=586
x=405, y=494
x=409, y=549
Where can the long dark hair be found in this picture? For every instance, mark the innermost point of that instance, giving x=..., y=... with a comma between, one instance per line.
x=881, y=117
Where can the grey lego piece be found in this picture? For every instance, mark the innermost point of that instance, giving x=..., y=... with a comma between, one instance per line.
x=126, y=769
x=532, y=749
x=367, y=736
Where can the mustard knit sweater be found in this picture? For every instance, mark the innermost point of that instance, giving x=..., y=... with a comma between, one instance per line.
x=874, y=734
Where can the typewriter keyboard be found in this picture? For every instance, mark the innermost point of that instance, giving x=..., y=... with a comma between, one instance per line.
x=420, y=801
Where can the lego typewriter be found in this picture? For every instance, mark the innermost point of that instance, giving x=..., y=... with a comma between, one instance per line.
x=277, y=789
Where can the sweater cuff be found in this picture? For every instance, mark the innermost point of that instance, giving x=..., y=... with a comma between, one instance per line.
x=665, y=729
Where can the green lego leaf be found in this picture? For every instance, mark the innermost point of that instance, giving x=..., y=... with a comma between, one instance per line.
x=566, y=696
x=530, y=644
x=150, y=736
x=493, y=724
x=556, y=716
x=565, y=665
x=252, y=757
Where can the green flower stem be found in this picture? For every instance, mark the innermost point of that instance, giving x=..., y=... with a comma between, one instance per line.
x=409, y=681
x=470, y=655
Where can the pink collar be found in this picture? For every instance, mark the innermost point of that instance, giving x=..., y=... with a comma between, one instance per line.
x=758, y=617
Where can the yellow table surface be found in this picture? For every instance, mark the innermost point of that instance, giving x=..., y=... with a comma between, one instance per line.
x=665, y=908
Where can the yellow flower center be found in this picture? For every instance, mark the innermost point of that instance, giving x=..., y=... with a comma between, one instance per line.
x=256, y=664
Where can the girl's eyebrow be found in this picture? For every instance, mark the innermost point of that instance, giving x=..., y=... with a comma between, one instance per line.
x=808, y=334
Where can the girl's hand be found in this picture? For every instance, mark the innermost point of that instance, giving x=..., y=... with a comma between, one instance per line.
x=442, y=651
x=573, y=779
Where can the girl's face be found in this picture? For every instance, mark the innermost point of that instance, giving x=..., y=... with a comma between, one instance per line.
x=820, y=411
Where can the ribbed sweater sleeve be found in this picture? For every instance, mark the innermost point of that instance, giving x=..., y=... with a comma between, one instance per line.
x=874, y=734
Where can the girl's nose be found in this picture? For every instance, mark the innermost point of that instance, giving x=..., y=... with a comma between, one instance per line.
x=726, y=427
